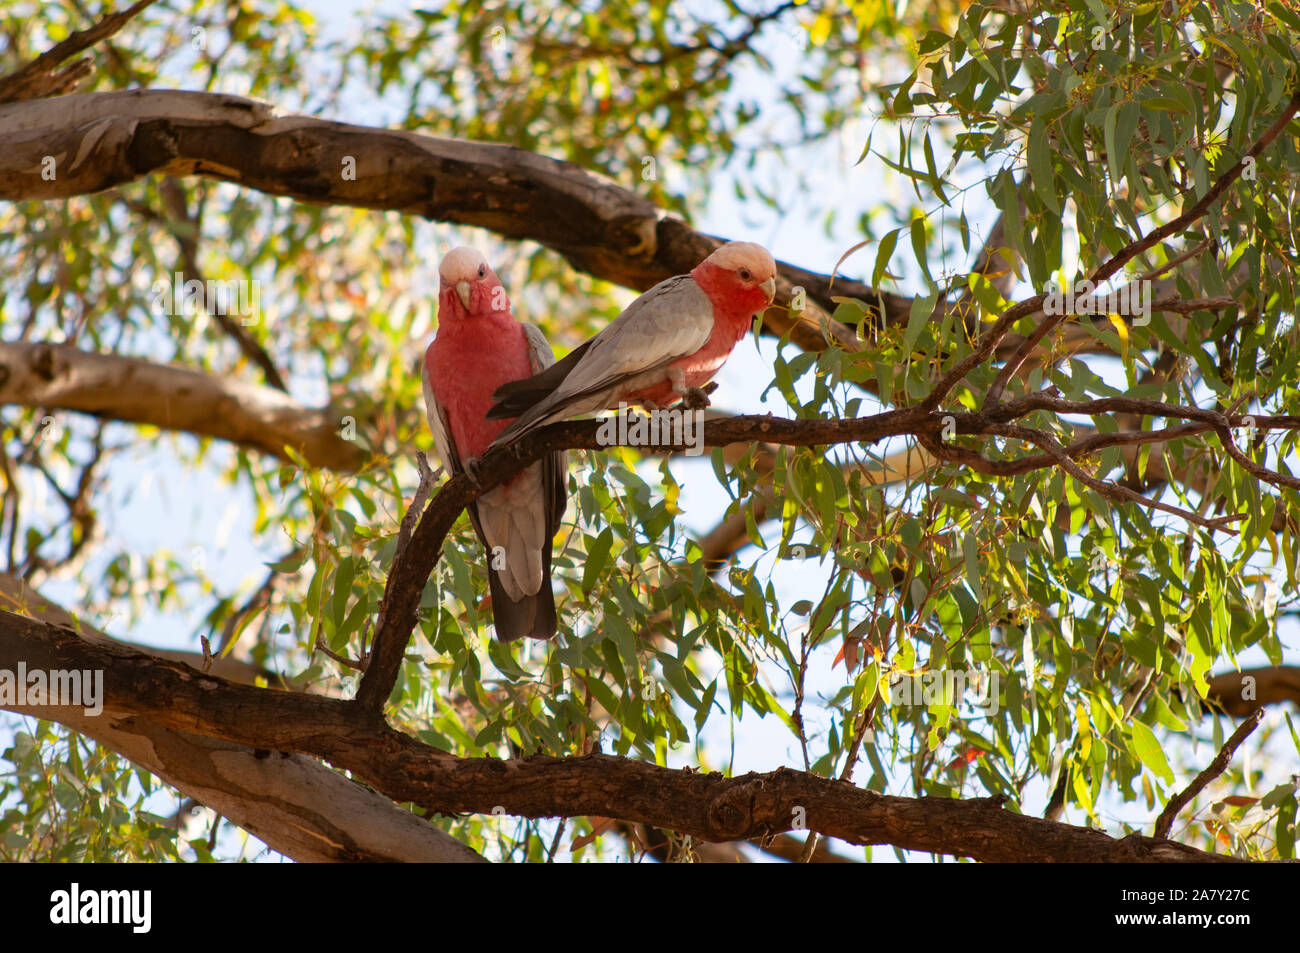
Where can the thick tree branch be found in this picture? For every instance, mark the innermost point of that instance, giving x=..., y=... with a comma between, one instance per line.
x=293, y=803
x=60, y=376
x=1240, y=693
x=706, y=806
x=103, y=140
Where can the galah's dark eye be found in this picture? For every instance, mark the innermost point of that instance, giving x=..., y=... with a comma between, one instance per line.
x=745, y=275
x=482, y=271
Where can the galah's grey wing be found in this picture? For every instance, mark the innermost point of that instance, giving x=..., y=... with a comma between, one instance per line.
x=555, y=467
x=516, y=397
x=670, y=321
x=442, y=438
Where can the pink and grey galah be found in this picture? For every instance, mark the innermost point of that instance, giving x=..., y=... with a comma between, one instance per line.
x=479, y=347
x=664, y=347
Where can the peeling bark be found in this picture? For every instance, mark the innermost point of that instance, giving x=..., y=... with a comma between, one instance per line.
x=60, y=376
x=294, y=804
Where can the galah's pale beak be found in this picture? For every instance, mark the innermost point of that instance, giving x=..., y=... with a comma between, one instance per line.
x=769, y=288
x=462, y=292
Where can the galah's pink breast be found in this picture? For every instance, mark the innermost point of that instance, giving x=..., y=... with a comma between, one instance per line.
x=468, y=361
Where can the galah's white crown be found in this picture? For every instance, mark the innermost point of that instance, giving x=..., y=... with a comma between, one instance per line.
x=461, y=264
x=736, y=255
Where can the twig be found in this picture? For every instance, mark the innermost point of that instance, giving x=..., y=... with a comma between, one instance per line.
x=41, y=76
x=1113, y=491
x=1108, y=268
x=555, y=841
x=1176, y=261
x=1165, y=822
x=357, y=665
x=186, y=237
x=1129, y=252
x=259, y=600
x=413, y=512
x=1250, y=466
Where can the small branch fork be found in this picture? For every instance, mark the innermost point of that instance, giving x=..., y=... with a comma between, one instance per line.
x=1216, y=767
x=43, y=76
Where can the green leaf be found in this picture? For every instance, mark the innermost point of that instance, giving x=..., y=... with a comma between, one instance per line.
x=598, y=551
x=1040, y=167
x=919, y=246
x=883, y=252
x=922, y=308
x=971, y=552
x=1286, y=832
x=1149, y=751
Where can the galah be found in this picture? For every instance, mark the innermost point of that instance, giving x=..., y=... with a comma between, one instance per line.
x=664, y=347
x=479, y=347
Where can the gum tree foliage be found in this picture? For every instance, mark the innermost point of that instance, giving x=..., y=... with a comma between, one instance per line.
x=1084, y=124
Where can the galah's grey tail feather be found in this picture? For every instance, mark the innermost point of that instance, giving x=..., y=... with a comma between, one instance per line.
x=532, y=616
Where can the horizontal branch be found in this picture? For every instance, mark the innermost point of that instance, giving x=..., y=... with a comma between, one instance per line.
x=63, y=377
x=413, y=566
x=103, y=140
x=1240, y=693
x=706, y=806
x=293, y=803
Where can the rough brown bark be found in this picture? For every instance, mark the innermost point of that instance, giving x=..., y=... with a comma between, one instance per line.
x=103, y=140
x=63, y=377
x=707, y=806
x=293, y=803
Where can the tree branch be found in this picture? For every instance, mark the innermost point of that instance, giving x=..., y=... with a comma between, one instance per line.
x=706, y=806
x=42, y=76
x=1033, y=305
x=294, y=804
x=186, y=239
x=103, y=140
x=1216, y=767
x=411, y=569
x=172, y=398
x=1240, y=693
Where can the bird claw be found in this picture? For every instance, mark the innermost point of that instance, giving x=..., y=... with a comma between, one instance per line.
x=473, y=468
x=697, y=398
